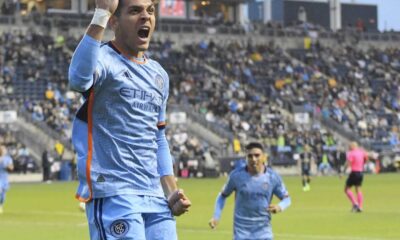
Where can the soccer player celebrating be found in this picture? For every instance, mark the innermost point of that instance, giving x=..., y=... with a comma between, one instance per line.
x=124, y=163
x=356, y=158
x=254, y=184
x=6, y=165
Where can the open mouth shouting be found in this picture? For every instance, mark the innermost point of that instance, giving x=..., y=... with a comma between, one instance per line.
x=144, y=32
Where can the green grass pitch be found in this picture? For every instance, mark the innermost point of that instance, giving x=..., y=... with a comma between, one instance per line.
x=49, y=211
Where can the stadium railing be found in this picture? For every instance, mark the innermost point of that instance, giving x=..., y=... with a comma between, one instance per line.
x=218, y=129
x=76, y=20
x=45, y=128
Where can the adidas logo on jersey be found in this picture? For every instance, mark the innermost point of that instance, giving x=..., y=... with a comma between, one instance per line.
x=128, y=75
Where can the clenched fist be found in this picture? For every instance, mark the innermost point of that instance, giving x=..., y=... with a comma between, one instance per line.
x=213, y=223
x=109, y=5
x=178, y=203
x=274, y=209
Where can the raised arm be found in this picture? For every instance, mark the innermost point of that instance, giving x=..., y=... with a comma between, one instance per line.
x=103, y=12
x=86, y=55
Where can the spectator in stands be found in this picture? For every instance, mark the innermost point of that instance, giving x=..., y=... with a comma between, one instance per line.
x=23, y=158
x=73, y=165
x=339, y=160
x=59, y=149
x=6, y=165
x=46, y=166
x=360, y=27
x=8, y=7
x=49, y=94
x=358, y=84
x=237, y=149
x=324, y=167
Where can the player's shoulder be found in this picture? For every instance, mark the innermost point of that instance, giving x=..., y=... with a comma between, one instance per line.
x=272, y=172
x=6, y=160
x=156, y=65
x=107, y=52
x=107, y=47
x=239, y=170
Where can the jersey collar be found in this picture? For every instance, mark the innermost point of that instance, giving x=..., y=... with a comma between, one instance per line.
x=132, y=59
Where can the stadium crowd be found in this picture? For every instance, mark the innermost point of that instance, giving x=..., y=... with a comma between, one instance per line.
x=22, y=158
x=244, y=88
x=354, y=87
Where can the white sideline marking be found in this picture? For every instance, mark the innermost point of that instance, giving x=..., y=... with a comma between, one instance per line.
x=74, y=214
x=335, y=210
x=326, y=237
x=43, y=224
x=223, y=232
x=292, y=236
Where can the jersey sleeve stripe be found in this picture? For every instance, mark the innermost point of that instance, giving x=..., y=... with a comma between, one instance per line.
x=90, y=148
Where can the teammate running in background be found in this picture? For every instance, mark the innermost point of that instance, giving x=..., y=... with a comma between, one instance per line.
x=254, y=185
x=124, y=163
x=356, y=158
x=305, y=161
x=6, y=165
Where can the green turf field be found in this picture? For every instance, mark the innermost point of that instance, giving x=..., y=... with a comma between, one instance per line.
x=49, y=211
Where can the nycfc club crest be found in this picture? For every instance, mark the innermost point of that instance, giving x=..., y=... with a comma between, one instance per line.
x=159, y=82
x=119, y=228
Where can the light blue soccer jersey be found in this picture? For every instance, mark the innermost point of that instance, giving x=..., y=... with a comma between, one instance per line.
x=115, y=132
x=5, y=161
x=252, y=198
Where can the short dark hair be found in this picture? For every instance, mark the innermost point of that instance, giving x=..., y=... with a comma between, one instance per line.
x=252, y=145
x=119, y=7
x=121, y=4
